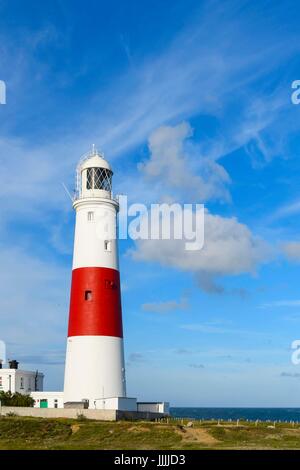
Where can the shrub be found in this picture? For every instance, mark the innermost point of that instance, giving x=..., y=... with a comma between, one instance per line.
x=81, y=417
x=15, y=399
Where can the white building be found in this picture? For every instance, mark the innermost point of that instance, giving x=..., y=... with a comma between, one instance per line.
x=16, y=380
x=154, y=407
x=31, y=383
x=48, y=399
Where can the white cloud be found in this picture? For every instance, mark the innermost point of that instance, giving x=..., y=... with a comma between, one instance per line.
x=286, y=210
x=170, y=166
x=212, y=328
x=282, y=303
x=165, y=307
x=177, y=171
x=34, y=302
x=136, y=357
x=294, y=375
x=230, y=248
x=292, y=251
x=207, y=282
x=31, y=177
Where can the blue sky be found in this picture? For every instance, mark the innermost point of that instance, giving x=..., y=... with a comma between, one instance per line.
x=211, y=81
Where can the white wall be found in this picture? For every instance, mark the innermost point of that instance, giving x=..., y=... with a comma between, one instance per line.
x=116, y=403
x=112, y=403
x=21, y=381
x=89, y=249
x=154, y=407
x=94, y=368
x=54, y=399
x=103, y=415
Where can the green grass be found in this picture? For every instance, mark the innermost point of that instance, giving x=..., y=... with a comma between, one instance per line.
x=37, y=433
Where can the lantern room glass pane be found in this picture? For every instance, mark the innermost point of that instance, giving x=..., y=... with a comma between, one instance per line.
x=98, y=178
x=89, y=178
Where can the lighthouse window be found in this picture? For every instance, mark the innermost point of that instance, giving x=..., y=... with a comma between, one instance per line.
x=88, y=295
x=98, y=178
x=89, y=178
x=90, y=216
x=110, y=284
x=107, y=245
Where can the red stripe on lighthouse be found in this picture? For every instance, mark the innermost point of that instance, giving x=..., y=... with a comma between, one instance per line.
x=95, y=305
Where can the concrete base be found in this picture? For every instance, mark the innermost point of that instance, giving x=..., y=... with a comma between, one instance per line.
x=81, y=405
x=100, y=415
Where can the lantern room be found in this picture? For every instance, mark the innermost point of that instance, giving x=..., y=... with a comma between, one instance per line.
x=94, y=177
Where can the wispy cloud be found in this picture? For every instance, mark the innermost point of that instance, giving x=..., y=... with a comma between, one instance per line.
x=281, y=303
x=292, y=251
x=208, y=283
x=294, y=375
x=136, y=358
x=43, y=358
x=165, y=307
x=181, y=351
x=284, y=211
x=35, y=304
x=211, y=328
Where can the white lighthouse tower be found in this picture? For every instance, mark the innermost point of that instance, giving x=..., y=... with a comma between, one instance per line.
x=94, y=371
x=94, y=367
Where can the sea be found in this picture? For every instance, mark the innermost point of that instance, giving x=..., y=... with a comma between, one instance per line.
x=227, y=414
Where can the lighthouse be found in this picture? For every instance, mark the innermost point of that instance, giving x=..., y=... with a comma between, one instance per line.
x=94, y=367
x=94, y=370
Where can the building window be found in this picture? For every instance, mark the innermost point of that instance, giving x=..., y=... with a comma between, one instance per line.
x=110, y=284
x=55, y=403
x=22, y=382
x=90, y=216
x=88, y=295
x=107, y=245
x=0, y=382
